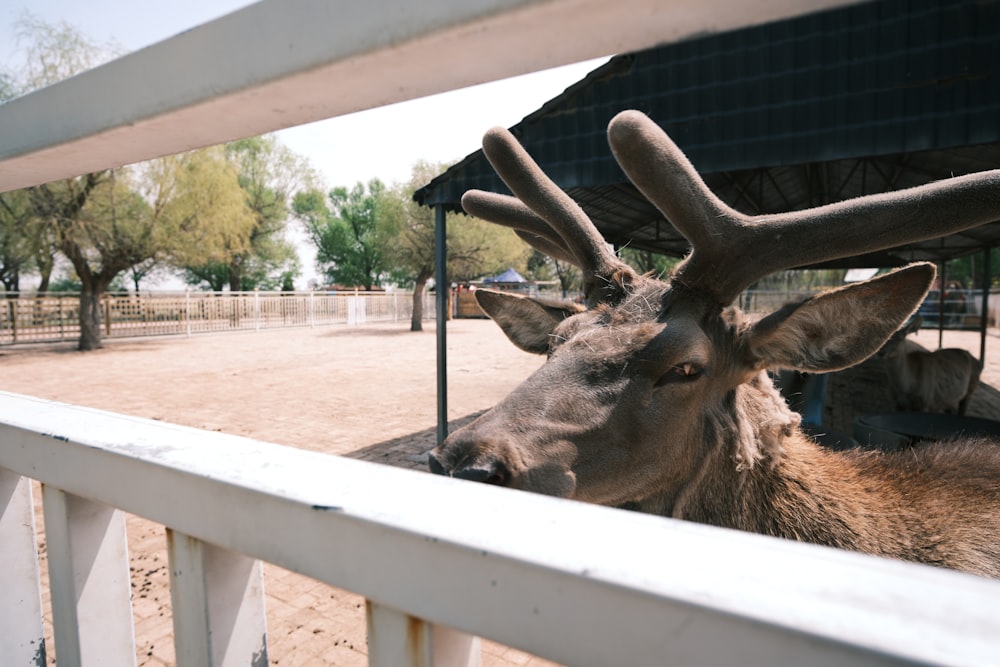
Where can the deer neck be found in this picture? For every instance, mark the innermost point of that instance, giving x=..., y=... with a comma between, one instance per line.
x=762, y=474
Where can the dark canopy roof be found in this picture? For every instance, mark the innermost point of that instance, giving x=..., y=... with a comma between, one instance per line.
x=793, y=114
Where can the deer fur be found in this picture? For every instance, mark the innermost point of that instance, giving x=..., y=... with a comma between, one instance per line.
x=657, y=398
x=925, y=381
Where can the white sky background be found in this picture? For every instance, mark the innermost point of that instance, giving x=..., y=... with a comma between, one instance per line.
x=382, y=143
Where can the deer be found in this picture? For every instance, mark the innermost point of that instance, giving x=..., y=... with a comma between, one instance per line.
x=655, y=395
x=926, y=381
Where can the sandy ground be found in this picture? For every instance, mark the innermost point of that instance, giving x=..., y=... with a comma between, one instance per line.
x=360, y=392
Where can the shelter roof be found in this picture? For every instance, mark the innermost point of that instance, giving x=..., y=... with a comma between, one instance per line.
x=783, y=116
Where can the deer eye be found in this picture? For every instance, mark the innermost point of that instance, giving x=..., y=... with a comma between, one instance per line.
x=685, y=372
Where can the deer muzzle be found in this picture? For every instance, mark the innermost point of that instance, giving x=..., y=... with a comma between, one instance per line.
x=487, y=470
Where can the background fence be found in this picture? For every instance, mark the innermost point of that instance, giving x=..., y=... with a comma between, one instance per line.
x=959, y=309
x=27, y=318
x=53, y=318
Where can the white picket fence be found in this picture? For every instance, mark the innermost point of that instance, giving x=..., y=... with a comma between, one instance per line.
x=440, y=561
x=55, y=317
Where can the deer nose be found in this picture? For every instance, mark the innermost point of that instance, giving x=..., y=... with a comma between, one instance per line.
x=488, y=470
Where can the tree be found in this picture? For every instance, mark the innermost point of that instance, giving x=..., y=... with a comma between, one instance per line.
x=188, y=209
x=543, y=267
x=475, y=247
x=412, y=253
x=350, y=242
x=17, y=244
x=143, y=270
x=269, y=173
x=185, y=208
x=49, y=52
x=280, y=268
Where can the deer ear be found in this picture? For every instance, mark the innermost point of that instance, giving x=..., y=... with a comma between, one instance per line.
x=527, y=322
x=841, y=327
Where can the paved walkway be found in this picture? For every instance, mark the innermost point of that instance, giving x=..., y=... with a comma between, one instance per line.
x=366, y=393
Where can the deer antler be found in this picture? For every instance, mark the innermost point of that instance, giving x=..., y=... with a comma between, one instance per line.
x=546, y=217
x=731, y=250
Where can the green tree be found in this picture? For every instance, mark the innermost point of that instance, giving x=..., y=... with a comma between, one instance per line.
x=269, y=174
x=475, y=247
x=197, y=206
x=181, y=208
x=542, y=267
x=47, y=53
x=17, y=244
x=350, y=242
x=277, y=270
x=412, y=252
x=16, y=247
x=647, y=261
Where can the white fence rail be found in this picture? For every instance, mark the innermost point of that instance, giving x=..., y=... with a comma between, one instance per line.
x=439, y=560
x=26, y=318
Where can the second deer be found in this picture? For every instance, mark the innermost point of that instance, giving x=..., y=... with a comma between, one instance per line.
x=938, y=381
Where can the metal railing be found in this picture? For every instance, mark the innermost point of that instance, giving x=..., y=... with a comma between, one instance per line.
x=27, y=318
x=438, y=560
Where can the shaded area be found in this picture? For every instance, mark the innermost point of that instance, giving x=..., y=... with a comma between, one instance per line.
x=864, y=390
x=408, y=451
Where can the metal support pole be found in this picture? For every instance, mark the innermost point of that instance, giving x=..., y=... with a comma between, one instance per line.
x=984, y=308
x=441, y=280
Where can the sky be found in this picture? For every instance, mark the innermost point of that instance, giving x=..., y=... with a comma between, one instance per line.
x=439, y=128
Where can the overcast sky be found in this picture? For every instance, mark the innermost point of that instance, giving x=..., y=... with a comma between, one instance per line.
x=440, y=128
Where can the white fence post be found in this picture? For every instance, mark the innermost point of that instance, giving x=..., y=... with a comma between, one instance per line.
x=398, y=639
x=256, y=309
x=89, y=581
x=22, y=635
x=218, y=605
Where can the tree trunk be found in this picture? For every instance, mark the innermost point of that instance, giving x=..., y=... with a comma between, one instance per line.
x=417, y=319
x=90, y=318
x=235, y=271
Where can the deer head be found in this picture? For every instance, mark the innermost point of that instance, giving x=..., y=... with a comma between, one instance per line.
x=656, y=378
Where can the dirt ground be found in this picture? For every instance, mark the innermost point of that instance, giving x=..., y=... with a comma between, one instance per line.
x=365, y=392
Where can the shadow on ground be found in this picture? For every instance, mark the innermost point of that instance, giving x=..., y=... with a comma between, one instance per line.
x=408, y=451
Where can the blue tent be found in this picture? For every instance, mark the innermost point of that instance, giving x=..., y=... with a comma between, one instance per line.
x=508, y=276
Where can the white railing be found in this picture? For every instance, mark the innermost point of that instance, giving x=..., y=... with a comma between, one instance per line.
x=54, y=317
x=439, y=560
